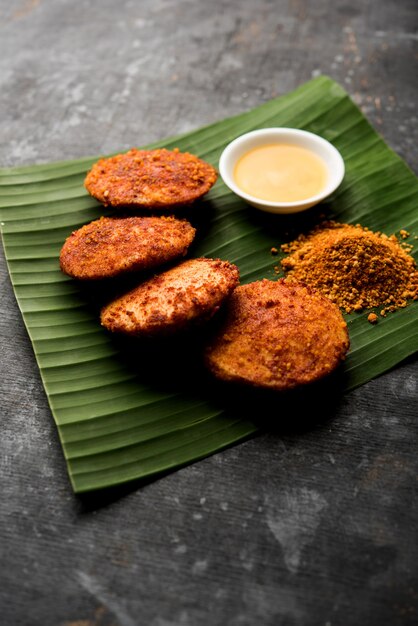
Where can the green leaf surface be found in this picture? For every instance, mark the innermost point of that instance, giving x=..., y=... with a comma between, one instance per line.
x=125, y=410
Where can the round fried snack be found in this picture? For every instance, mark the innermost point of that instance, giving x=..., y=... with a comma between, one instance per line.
x=173, y=300
x=278, y=335
x=151, y=179
x=111, y=246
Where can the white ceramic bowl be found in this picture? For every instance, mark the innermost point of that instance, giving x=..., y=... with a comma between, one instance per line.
x=267, y=136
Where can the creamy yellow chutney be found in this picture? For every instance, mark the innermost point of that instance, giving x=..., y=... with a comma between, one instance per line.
x=280, y=173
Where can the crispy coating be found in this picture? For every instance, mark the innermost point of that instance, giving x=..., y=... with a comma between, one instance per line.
x=278, y=335
x=111, y=246
x=151, y=179
x=173, y=300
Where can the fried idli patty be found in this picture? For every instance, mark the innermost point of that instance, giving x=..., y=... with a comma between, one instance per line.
x=111, y=246
x=278, y=335
x=173, y=300
x=154, y=179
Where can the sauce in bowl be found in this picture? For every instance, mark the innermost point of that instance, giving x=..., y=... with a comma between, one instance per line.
x=281, y=170
x=281, y=173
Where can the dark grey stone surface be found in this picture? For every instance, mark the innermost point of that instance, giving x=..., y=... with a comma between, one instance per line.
x=316, y=526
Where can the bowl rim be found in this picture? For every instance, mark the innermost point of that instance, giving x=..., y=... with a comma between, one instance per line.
x=278, y=131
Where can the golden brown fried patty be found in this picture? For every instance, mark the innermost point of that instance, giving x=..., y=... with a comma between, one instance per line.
x=155, y=179
x=173, y=300
x=110, y=246
x=278, y=335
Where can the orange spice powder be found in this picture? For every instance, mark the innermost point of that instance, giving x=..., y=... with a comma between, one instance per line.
x=355, y=267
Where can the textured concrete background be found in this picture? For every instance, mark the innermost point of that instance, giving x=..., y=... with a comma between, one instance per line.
x=290, y=528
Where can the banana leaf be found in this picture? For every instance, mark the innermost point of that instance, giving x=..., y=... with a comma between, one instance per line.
x=127, y=410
